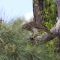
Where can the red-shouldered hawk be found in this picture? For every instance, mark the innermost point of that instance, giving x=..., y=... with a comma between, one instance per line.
x=36, y=24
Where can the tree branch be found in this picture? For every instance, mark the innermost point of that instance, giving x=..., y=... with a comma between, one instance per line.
x=47, y=37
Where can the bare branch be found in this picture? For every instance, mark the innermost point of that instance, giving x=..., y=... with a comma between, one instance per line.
x=58, y=7
x=47, y=37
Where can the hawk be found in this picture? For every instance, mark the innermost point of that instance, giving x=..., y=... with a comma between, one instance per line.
x=37, y=23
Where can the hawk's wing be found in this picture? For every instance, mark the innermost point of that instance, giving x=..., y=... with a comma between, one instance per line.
x=38, y=6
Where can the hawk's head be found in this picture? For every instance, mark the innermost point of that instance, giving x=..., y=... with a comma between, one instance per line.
x=26, y=26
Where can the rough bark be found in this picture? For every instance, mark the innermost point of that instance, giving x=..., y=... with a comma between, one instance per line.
x=37, y=10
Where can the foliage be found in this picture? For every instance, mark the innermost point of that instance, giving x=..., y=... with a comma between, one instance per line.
x=15, y=45
x=50, y=13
